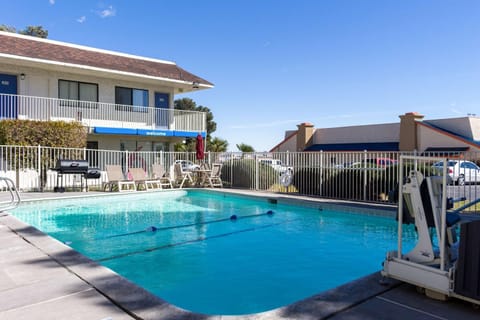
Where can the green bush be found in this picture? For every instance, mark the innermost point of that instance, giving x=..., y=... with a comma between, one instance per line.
x=58, y=134
x=369, y=183
x=307, y=180
x=44, y=133
x=346, y=184
x=241, y=174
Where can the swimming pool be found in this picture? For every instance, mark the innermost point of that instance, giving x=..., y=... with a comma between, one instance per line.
x=202, y=260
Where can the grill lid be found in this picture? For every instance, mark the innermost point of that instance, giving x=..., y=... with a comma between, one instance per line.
x=71, y=166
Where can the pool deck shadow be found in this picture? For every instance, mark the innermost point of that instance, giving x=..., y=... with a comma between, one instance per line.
x=42, y=278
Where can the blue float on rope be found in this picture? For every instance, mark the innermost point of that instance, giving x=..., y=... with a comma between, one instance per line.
x=233, y=217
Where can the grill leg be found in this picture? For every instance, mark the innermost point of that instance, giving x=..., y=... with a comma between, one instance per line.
x=59, y=187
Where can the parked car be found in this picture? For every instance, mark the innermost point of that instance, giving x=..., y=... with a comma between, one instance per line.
x=188, y=165
x=460, y=171
x=369, y=163
x=382, y=162
x=276, y=164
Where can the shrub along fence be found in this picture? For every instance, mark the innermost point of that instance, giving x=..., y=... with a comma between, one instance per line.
x=360, y=176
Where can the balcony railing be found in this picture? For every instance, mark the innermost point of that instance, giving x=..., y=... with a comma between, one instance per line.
x=100, y=114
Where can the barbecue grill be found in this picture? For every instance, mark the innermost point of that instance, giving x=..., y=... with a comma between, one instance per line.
x=80, y=167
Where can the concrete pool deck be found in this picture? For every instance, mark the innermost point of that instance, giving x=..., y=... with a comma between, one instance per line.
x=42, y=278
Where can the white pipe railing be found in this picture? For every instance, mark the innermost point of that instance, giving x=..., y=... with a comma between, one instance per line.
x=359, y=176
x=100, y=114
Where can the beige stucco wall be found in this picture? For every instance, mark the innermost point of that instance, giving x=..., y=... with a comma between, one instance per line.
x=466, y=126
x=289, y=145
x=44, y=83
x=112, y=142
x=389, y=132
x=430, y=138
x=475, y=125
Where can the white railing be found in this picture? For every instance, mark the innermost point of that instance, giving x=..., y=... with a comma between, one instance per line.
x=359, y=176
x=13, y=198
x=99, y=114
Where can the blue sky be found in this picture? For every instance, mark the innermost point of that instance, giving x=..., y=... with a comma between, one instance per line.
x=278, y=63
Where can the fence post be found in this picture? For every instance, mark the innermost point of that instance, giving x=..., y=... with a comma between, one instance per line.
x=39, y=167
x=257, y=177
x=364, y=197
x=231, y=169
x=321, y=170
x=126, y=163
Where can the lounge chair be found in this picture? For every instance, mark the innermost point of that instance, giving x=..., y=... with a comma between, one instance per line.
x=116, y=178
x=181, y=176
x=159, y=174
x=139, y=176
x=213, y=178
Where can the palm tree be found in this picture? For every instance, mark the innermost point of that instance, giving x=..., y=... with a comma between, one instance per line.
x=217, y=145
x=245, y=147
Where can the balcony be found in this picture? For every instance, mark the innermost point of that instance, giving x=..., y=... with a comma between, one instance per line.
x=100, y=114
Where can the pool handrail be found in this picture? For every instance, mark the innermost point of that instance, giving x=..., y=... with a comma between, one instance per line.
x=14, y=201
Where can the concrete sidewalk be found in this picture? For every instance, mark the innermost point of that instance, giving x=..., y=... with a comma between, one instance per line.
x=41, y=278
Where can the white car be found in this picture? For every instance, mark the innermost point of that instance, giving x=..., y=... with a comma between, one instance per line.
x=188, y=165
x=461, y=171
x=276, y=164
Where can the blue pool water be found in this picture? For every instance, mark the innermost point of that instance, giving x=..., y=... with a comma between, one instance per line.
x=202, y=260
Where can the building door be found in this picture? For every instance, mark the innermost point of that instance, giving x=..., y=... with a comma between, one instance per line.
x=8, y=98
x=92, y=153
x=162, y=101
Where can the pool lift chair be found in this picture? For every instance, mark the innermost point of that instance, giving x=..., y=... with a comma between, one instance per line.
x=440, y=264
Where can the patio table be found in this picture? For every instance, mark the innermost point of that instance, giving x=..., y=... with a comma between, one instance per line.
x=200, y=175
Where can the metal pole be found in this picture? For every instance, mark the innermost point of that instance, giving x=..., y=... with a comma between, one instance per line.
x=400, y=208
x=443, y=215
x=364, y=175
x=39, y=167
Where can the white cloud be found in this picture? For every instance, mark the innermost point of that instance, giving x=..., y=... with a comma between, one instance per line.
x=52, y=2
x=82, y=19
x=109, y=12
x=264, y=125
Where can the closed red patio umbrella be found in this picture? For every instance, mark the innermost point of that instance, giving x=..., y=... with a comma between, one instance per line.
x=200, y=152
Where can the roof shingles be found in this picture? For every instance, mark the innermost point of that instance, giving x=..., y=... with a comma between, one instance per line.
x=56, y=52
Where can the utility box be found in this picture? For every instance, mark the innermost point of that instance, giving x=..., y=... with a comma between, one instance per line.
x=467, y=276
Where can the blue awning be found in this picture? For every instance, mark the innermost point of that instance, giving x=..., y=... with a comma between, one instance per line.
x=146, y=132
x=158, y=133
x=105, y=130
x=188, y=134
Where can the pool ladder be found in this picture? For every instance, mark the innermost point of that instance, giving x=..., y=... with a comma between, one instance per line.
x=8, y=185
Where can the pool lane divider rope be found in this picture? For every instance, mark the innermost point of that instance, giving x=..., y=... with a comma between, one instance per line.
x=233, y=217
x=171, y=245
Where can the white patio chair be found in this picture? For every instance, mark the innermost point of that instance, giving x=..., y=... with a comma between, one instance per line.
x=214, y=179
x=181, y=176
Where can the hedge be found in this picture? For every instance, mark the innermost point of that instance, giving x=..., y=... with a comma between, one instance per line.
x=44, y=133
x=241, y=174
x=371, y=183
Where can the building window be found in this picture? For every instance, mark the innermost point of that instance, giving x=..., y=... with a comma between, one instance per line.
x=136, y=98
x=85, y=93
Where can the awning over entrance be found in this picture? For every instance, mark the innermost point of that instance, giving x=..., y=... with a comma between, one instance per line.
x=451, y=151
x=145, y=132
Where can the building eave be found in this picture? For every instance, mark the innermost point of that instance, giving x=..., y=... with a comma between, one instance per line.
x=21, y=50
x=449, y=134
